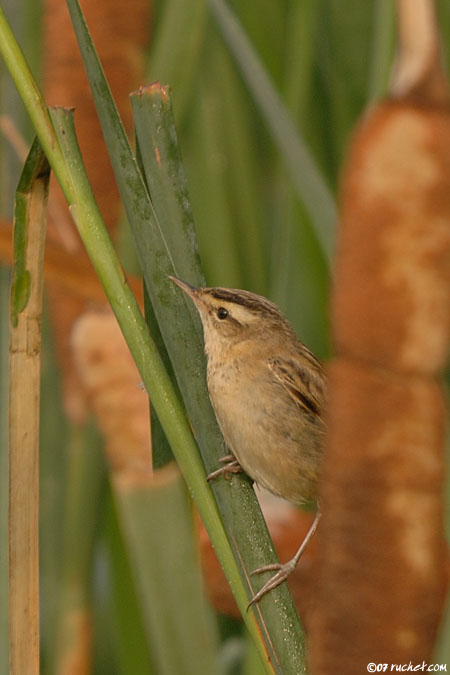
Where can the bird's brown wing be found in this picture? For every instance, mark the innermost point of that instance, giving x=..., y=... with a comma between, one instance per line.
x=303, y=379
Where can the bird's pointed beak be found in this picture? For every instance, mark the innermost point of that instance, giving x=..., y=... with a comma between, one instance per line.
x=187, y=288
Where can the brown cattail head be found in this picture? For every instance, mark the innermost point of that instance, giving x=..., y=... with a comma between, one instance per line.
x=383, y=559
x=392, y=297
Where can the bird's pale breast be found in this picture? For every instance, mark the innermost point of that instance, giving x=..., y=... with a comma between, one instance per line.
x=277, y=444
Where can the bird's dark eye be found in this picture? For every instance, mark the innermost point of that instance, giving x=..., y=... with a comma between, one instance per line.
x=222, y=313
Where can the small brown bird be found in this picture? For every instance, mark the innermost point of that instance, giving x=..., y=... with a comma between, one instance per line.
x=268, y=392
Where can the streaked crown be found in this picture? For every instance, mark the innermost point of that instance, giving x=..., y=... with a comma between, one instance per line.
x=236, y=314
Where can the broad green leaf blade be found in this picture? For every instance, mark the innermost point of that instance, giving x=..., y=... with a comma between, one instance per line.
x=179, y=37
x=299, y=274
x=242, y=171
x=85, y=482
x=217, y=237
x=164, y=174
x=311, y=188
x=161, y=451
x=24, y=408
x=242, y=517
x=122, y=607
x=383, y=44
x=156, y=518
x=301, y=39
x=442, y=648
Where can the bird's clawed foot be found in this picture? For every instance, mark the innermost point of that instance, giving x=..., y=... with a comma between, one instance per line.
x=283, y=570
x=231, y=465
x=282, y=573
